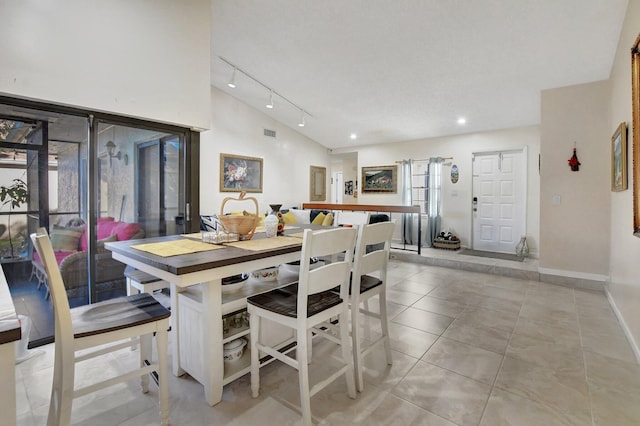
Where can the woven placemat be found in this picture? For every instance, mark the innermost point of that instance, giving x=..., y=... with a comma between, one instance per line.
x=263, y=228
x=194, y=236
x=176, y=247
x=266, y=243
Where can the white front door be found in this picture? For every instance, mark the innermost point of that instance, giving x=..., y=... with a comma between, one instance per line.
x=499, y=194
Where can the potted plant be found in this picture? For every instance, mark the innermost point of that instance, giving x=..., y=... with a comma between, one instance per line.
x=14, y=195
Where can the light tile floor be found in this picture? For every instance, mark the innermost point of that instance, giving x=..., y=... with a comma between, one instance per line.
x=469, y=348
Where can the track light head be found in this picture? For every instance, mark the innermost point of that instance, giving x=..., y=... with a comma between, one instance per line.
x=270, y=103
x=301, y=123
x=232, y=82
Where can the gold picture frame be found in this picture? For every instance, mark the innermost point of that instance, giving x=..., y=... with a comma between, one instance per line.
x=239, y=173
x=619, y=158
x=317, y=183
x=635, y=104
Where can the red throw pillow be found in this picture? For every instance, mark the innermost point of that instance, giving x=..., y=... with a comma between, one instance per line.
x=125, y=231
x=105, y=229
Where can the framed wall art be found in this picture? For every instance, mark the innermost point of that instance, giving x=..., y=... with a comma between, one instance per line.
x=239, y=173
x=317, y=180
x=619, y=158
x=380, y=179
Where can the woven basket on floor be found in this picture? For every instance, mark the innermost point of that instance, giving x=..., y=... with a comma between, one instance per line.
x=441, y=243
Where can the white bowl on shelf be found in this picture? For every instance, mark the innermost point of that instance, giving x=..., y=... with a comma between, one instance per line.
x=266, y=274
x=295, y=266
x=234, y=349
x=234, y=283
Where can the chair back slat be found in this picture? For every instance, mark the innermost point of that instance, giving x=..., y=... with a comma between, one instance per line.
x=62, y=313
x=320, y=244
x=373, y=262
x=327, y=277
x=377, y=237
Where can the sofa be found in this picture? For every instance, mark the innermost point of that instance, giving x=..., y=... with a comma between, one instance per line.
x=70, y=244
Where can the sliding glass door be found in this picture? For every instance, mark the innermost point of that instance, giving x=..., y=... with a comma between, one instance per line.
x=140, y=193
x=99, y=177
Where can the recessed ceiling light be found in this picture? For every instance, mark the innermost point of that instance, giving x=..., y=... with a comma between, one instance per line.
x=353, y=136
x=462, y=120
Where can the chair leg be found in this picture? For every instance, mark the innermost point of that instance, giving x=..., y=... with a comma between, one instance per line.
x=346, y=355
x=309, y=346
x=145, y=355
x=356, y=347
x=162, y=348
x=303, y=376
x=384, y=322
x=61, y=390
x=254, y=325
x=132, y=290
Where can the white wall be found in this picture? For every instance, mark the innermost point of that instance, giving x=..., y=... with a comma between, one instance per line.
x=239, y=129
x=132, y=57
x=624, y=285
x=456, y=200
x=574, y=234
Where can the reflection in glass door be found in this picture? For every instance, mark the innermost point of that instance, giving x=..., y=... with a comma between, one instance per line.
x=82, y=173
x=158, y=186
x=141, y=181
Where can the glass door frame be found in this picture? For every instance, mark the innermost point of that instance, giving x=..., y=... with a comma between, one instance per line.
x=191, y=168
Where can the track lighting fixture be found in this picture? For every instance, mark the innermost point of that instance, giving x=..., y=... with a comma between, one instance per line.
x=272, y=93
x=232, y=82
x=270, y=103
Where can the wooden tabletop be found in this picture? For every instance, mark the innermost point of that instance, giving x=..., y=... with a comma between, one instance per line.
x=200, y=261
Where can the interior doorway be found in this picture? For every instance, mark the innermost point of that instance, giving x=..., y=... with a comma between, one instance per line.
x=499, y=200
x=338, y=187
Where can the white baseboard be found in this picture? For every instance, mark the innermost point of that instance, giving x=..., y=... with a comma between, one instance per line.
x=623, y=324
x=573, y=274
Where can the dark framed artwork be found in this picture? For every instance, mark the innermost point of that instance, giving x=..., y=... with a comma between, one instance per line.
x=380, y=179
x=619, y=158
x=348, y=187
x=239, y=173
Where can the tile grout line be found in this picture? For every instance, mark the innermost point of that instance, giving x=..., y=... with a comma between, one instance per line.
x=584, y=360
x=504, y=356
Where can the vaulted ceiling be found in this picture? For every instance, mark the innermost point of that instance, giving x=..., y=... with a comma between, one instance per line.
x=397, y=70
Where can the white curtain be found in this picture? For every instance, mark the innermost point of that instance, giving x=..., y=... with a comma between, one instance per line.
x=407, y=200
x=434, y=197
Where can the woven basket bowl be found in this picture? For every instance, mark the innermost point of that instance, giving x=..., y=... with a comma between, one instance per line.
x=244, y=226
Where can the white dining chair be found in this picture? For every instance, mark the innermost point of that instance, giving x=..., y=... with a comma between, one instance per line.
x=113, y=322
x=309, y=305
x=369, y=279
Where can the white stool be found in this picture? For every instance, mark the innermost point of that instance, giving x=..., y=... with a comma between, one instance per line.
x=141, y=282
